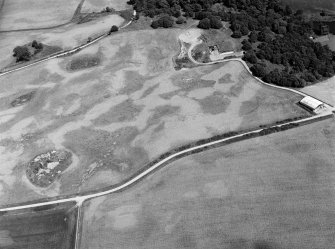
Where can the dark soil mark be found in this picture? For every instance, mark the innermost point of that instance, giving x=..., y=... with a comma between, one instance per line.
x=83, y=63
x=123, y=112
x=22, y=99
x=215, y=104
x=226, y=79
x=161, y=112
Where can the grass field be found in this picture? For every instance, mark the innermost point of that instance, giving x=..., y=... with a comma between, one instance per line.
x=51, y=227
x=65, y=37
x=98, y=5
x=272, y=192
x=123, y=112
x=17, y=14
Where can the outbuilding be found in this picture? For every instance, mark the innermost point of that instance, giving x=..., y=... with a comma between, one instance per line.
x=312, y=104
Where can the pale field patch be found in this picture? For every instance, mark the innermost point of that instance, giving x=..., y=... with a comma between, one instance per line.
x=28, y=14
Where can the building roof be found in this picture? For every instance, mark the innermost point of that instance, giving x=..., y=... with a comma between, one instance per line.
x=311, y=102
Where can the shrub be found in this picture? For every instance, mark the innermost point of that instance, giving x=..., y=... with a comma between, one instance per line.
x=21, y=53
x=204, y=24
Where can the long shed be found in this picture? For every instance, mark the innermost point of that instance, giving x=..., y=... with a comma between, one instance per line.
x=312, y=104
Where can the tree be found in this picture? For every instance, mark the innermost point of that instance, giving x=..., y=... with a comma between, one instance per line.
x=253, y=37
x=204, y=24
x=288, y=10
x=34, y=44
x=237, y=34
x=250, y=56
x=244, y=30
x=246, y=45
x=258, y=70
x=215, y=22
x=21, y=53
x=181, y=20
x=114, y=28
x=155, y=25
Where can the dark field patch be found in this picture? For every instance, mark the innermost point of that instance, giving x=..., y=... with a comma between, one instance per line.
x=123, y=112
x=226, y=79
x=191, y=84
x=52, y=228
x=214, y=104
x=83, y=62
x=21, y=100
x=160, y=112
x=149, y=91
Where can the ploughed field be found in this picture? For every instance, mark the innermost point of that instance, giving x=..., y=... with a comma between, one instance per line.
x=116, y=106
x=52, y=227
x=270, y=192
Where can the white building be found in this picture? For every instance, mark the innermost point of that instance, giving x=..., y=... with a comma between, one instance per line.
x=312, y=104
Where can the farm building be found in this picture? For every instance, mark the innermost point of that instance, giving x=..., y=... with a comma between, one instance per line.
x=312, y=104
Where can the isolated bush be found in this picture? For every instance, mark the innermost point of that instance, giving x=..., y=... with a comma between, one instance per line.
x=114, y=28
x=165, y=22
x=181, y=20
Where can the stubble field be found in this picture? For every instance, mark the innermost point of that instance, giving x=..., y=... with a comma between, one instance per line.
x=272, y=192
x=125, y=110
